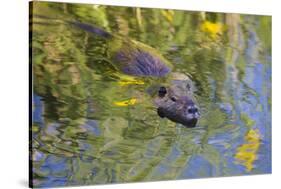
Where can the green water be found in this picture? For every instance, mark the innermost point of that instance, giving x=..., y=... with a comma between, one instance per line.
x=82, y=133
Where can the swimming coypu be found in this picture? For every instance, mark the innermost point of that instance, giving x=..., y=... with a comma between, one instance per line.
x=174, y=97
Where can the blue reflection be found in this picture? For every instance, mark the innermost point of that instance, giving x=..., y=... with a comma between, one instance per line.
x=37, y=110
x=56, y=170
x=92, y=127
x=198, y=167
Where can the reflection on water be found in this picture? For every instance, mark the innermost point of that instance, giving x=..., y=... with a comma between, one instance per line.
x=92, y=125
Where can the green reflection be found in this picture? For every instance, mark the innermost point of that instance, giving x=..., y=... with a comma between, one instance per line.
x=96, y=141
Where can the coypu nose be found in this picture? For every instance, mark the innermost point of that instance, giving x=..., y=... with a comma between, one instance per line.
x=192, y=112
x=192, y=115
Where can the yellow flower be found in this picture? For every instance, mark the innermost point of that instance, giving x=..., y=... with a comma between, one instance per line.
x=247, y=153
x=214, y=29
x=123, y=103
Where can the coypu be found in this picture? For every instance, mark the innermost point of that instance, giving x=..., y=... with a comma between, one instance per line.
x=173, y=99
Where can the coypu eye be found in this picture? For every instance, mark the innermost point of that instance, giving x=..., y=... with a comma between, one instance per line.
x=173, y=99
x=162, y=92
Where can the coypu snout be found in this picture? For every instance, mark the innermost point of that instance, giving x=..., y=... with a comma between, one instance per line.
x=182, y=110
x=175, y=101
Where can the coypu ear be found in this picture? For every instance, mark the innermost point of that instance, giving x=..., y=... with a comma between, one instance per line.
x=183, y=80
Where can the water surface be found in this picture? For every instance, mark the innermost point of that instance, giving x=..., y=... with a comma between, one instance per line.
x=92, y=125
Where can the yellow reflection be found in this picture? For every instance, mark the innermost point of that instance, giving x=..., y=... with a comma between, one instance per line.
x=168, y=14
x=247, y=153
x=132, y=82
x=129, y=80
x=214, y=29
x=123, y=103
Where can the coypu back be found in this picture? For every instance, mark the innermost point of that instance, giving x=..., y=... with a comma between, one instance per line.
x=137, y=59
x=129, y=56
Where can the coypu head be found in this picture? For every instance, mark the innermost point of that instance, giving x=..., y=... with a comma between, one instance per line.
x=175, y=101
